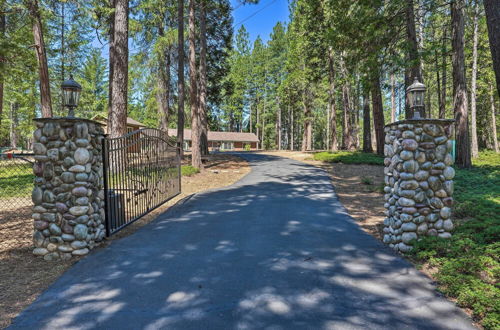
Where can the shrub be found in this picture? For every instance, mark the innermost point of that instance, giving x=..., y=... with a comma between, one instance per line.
x=188, y=170
x=350, y=157
x=366, y=180
x=247, y=147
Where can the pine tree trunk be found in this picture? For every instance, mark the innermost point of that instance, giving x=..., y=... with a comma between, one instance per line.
x=393, y=100
x=367, y=136
x=438, y=80
x=442, y=104
x=163, y=89
x=474, y=143
x=180, y=76
x=203, y=80
x=332, y=123
x=257, y=125
x=14, y=123
x=307, y=134
x=354, y=119
x=193, y=92
x=291, y=130
x=163, y=83
x=250, y=118
x=463, y=158
x=111, y=55
x=493, y=120
x=378, y=111
x=263, y=131
x=117, y=117
x=492, y=10
x=2, y=79
x=43, y=69
x=278, y=125
x=413, y=71
x=347, y=140
x=62, y=51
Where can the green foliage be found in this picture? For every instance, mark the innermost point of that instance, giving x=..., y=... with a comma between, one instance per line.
x=16, y=179
x=469, y=263
x=366, y=180
x=188, y=170
x=247, y=147
x=349, y=157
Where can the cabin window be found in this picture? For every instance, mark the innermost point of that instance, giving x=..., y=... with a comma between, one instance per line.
x=227, y=145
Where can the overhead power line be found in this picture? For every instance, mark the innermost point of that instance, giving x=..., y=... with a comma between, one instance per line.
x=255, y=13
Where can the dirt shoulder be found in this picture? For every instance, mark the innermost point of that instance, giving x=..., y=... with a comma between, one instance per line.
x=23, y=276
x=357, y=186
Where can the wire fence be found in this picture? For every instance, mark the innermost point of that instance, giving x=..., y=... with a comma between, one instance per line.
x=16, y=184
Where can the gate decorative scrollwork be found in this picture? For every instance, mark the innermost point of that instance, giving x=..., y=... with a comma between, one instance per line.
x=142, y=170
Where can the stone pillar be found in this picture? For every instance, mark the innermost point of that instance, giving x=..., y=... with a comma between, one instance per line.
x=68, y=196
x=418, y=181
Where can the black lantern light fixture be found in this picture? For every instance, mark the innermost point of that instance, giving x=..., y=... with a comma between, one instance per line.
x=415, y=94
x=71, y=95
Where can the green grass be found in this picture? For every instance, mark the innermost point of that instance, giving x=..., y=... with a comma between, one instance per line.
x=468, y=264
x=349, y=157
x=16, y=179
x=188, y=170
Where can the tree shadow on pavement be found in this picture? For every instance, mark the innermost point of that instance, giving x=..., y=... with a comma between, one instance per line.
x=274, y=251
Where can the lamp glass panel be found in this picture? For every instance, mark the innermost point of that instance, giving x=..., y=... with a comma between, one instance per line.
x=67, y=96
x=419, y=99
x=71, y=97
x=410, y=97
x=77, y=97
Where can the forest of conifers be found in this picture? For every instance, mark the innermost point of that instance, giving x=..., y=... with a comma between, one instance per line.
x=329, y=78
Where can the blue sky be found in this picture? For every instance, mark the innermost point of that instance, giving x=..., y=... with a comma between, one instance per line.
x=259, y=19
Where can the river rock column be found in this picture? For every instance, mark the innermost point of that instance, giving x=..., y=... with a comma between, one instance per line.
x=68, y=196
x=418, y=181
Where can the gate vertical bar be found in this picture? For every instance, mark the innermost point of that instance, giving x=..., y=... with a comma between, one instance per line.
x=105, y=162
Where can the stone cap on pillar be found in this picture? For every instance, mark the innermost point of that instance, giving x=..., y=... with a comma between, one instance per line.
x=68, y=119
x=443, y=122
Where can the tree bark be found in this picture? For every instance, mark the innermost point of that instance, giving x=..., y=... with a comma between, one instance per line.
x=438, y=81
x=250, y=118
x=278, y=125
x=291, y=129
x=43, y=69
x=163, y=89
x=202, y=105
x=493, y=119
x=111, y=56
x=413, y=71
x=180, y=76
x=347, y=139
x=257, y=125
x=444, y=76
x=463, y=156
x=63, y=18
x=2, y=78
x=393, y=100
x=117, y=117
x=307, y=134
x=378, y=111
x=14, y=123
x=492, y=10
x=367, y=134
x=193, y=93
x=474, y=143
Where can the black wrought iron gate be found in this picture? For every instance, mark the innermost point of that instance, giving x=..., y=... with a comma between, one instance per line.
x=142, y=170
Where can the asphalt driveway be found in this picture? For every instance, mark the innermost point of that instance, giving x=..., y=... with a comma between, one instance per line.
x=274, y=251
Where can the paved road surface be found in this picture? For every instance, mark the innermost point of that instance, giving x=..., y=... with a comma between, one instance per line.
x=274, y=251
